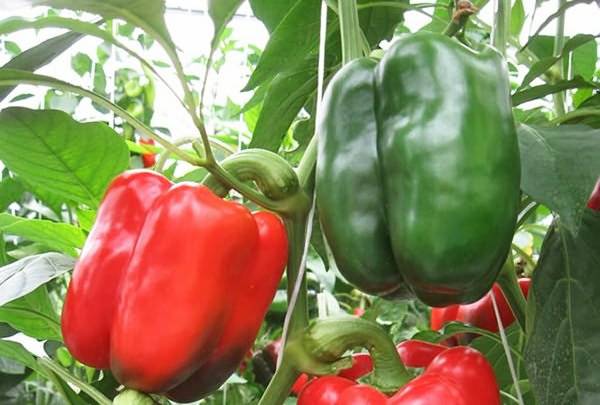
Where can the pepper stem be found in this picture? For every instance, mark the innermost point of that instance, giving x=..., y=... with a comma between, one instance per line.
x=464, y=9
x=320, y=349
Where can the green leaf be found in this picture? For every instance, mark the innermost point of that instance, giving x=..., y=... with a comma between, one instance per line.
x=379, y=23
x=564, y=6
x=562, y=353
x=544, y=90
x=23, y=276
x=583, y=63
x=50, y=150
x=542, y=65
x=15, y=351
x=221, y=12
x=60, y=236
x=10, y=191
x=38, y=56
x=81, y=63
x=285, y=97
x=560, y=167
x=495, y=353
x=294, y=38
x=33, y=315
x=517, y=18
x=146, y=14
x=271, y=12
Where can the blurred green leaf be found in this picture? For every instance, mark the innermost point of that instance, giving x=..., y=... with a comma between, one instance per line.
x=63, y=237
x=33, y=315
x=559, y=167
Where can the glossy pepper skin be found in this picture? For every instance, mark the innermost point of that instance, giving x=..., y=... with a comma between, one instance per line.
x=480, y=313
x=256, y=289
x=165, y=315
x=430, y=134
x=94, y=286
x=349, y=187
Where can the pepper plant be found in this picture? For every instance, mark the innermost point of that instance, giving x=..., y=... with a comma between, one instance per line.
x=386, y=171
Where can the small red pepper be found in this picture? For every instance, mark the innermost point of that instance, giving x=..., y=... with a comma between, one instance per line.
x=413, y=353
x=455, y=376
x=417, y=353
x=594, y=201
x=361, y=395
x=148, y=159
x=324, y=390
x=172, y=285
x=458, y=376
x=480, y=313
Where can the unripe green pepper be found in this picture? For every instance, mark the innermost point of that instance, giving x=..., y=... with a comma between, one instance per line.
x=419, y=153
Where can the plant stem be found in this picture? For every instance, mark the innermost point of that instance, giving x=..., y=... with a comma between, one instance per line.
x=559, y=41
x=279, y=387
x=464, y=9
x=509, y=284
x=320, y=349
x=350, y=28
x=501, y=26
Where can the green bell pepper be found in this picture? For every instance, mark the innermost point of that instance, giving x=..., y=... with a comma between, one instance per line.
x=418, y=170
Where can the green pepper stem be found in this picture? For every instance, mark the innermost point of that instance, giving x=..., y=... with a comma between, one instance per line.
x=320, y=348
x=509, y=284
x=464, y=9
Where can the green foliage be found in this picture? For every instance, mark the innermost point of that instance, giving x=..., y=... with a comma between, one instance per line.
x=562, y=352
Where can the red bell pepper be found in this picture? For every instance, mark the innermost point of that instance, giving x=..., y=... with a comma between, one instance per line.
x=480, y=313
x=324, y=390
x=362, y=395
x=594, y=201
x=148, y=159
x=163, y=281
x=455, y=376
x=458, y=376
x=414, y=353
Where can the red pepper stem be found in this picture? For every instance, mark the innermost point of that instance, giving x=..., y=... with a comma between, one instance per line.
x=320, y=349
x=509, y=284
x=273, y=176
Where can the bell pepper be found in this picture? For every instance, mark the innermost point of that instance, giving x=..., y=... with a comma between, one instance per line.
x=427, y=138
x=172, y=285
x=148, y=159
x=480, y=313
x=414, y=353
x=454, y=376
x=594, y=201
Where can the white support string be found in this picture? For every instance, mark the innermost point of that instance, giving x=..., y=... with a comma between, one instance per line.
x=507, y=351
